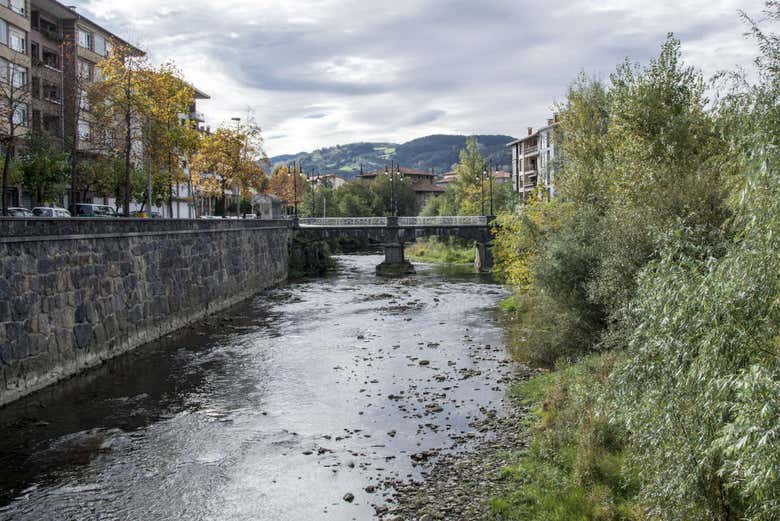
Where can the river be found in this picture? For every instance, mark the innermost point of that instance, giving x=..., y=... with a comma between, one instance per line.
x=273, y=410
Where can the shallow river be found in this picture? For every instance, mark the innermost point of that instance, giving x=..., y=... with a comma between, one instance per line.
x=273, y=410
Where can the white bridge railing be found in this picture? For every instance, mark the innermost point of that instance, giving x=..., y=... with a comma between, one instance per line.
x=443, y=221
x=337, y=222
x=368, y=222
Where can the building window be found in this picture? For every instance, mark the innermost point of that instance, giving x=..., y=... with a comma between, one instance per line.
x=100, y=45
x=18, y=6
x=84, y=130
x=51, y=58
x=83, y=100
x=20, y=115
x=85, y=38
x=85, y=70
x=17, y=40
x=51, y=92
x=17, y=76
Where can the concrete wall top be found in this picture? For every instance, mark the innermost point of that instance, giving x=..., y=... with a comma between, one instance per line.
x=42, y=227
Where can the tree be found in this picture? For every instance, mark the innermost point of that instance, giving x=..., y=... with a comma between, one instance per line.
x=700, y=388
x=14, y=107
x=230, y=158
x=289, y=184
x=467, y=186
x=44, y=170
x=78, y=145
x=168, y=140
x=118, y=102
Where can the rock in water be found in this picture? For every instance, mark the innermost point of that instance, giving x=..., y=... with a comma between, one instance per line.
x=349, y=497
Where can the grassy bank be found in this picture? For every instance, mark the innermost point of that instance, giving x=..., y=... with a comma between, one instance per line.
x=575, y=465
x=439, y=252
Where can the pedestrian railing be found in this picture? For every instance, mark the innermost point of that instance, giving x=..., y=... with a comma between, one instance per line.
x=443, y=221
x=337, y=222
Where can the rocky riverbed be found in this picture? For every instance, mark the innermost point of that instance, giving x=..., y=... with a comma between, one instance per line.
x=457, y=485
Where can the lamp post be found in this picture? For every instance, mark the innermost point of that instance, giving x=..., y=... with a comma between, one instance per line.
x=389, y=173
x=492, y=173
x=238, y=160
x=482, y=182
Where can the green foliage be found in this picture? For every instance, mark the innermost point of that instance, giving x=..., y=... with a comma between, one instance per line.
x=574, y=467
x=701, y=386
x=44, y=170
x=669, y=255
x=441, y=251
x=360, y=199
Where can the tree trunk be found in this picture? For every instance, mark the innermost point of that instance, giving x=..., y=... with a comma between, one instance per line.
x=224, y=201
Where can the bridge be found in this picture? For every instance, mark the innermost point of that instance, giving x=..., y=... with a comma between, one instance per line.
x=392, y=233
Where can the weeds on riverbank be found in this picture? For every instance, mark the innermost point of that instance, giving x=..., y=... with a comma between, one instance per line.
x=441, y=252
x=575, y=466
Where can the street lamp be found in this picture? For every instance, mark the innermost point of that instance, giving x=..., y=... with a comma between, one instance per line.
x=482, y=182
x=492, y=173
x=395, y=176
x=238, y=160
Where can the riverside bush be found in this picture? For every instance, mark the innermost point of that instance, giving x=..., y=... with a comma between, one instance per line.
x=668, y=264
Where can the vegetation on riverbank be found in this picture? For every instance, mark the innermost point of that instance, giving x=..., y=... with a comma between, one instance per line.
x=652, y=286
x=440, y=251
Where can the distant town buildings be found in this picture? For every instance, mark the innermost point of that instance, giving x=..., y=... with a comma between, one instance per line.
x=536, y=159
x=329, y=180
x=422, y=182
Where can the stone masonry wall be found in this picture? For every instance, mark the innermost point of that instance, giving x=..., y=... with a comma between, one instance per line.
x=75, y=292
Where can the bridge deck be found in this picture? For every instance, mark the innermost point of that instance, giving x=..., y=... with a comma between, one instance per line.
x=402, y=222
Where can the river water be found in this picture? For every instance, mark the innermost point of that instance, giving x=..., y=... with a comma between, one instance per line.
x=273, y=410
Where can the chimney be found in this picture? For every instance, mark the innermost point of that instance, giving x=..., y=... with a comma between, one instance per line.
x=530, y=131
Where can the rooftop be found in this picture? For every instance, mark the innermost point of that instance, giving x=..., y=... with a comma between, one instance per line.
x=403, y=170
x=67, y=12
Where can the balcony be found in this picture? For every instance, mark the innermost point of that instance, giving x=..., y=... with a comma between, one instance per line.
x=197, y=116
x=531, y=150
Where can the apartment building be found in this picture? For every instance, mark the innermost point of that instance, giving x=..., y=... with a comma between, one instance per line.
x=15, y=58
x=535, y=160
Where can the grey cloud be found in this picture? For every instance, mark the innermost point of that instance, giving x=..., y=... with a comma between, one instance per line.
x=491, y=61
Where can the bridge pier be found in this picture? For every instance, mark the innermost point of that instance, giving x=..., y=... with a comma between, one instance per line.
x=483, y=262
x=395, y=264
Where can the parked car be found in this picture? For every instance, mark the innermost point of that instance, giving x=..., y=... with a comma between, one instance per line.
x=46, y=211
x=19, y=212
x=95, y=210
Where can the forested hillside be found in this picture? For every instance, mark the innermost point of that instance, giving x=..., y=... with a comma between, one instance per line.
x=439, y=152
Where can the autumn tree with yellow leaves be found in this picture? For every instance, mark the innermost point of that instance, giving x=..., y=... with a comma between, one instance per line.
x=289, y=184
x=169, y=139
x=230, y=158
x=119, y=108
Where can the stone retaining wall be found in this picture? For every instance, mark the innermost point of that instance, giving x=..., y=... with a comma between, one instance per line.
x=75, y=292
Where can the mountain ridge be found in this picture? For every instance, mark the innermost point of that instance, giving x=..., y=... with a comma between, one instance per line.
x=437, y=151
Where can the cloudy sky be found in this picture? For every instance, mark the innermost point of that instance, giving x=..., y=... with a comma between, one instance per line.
x=322, y=72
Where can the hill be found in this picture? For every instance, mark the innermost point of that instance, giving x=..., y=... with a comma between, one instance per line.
x=439, y=152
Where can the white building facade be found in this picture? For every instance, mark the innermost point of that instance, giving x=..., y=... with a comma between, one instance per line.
x=536, y=160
